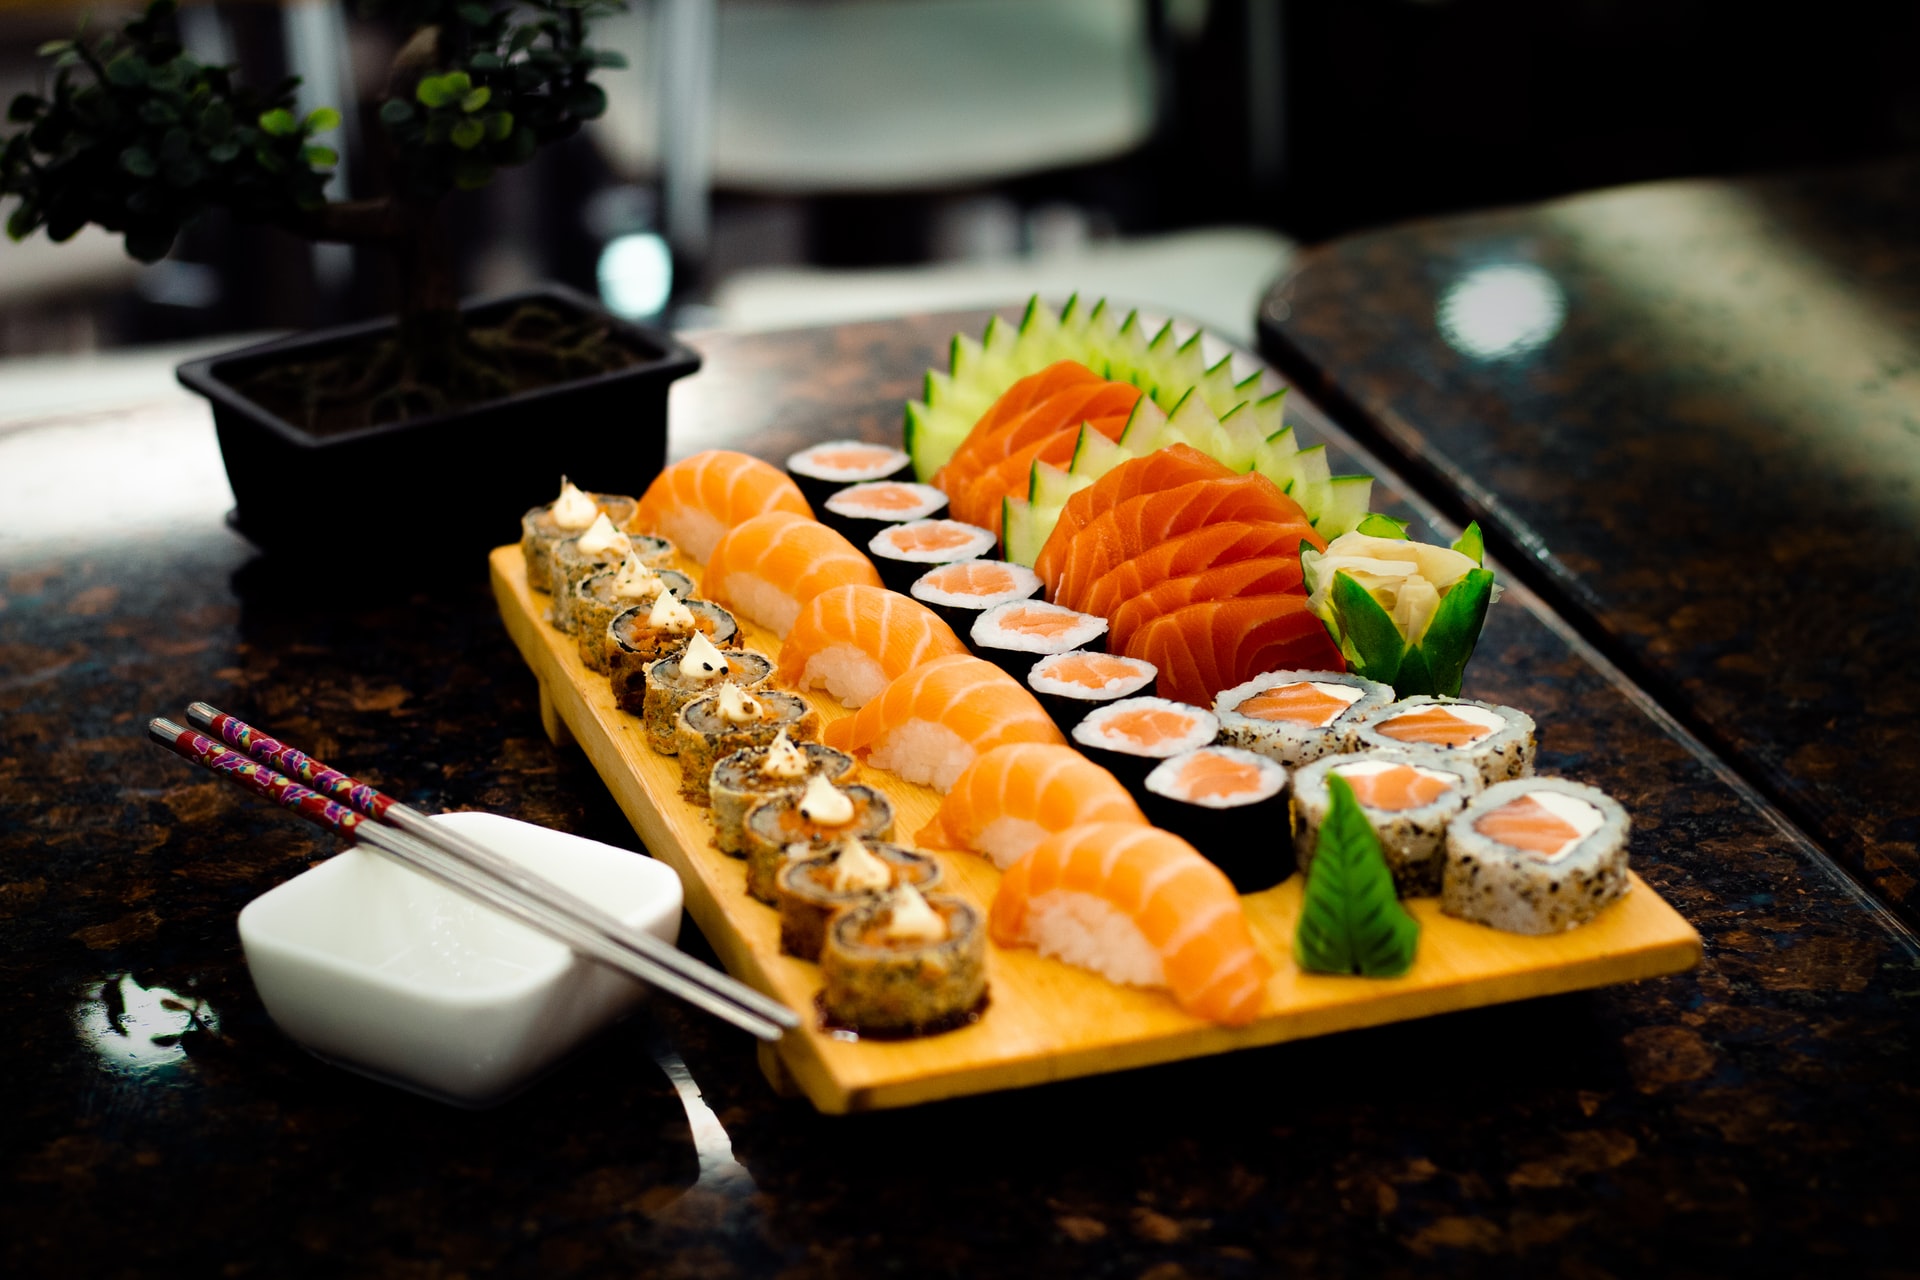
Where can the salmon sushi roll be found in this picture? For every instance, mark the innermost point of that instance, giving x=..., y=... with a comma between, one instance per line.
x=859, y=511
x=696, y=500
x=605, y=595
x=809, y=891
x=1013, y=797
x=574, y=560
x=963, y=591
x=746, y=777
x=905, y=964
x=903, y=552
x=697, y=667
x=934, y=721
x=824, y=469
x=1015, y=636
x=1295, y=717
x=767, y=567
x=1407, y=801
x=1496, y=741
x=794, y=824
x=567, y=516
x=640, y=636
x=1137, y=906
x=1228, y=804
x=1132, y=736
x=719, y=723
x=1536, y=855
x=854, y=640
x=1069, y=685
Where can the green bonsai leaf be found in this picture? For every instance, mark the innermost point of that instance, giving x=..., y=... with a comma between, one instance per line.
x=396, y=111
x=1379, y=526
x=279, y=122
x=476, y=99
x=1470, y=544
x=1366, y=630
x=468, y=134
x=321, y=157
x=321, y=120
x=1350, y=920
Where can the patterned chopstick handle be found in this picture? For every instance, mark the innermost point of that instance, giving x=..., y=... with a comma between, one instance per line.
x=330, y=782
x=255, y=777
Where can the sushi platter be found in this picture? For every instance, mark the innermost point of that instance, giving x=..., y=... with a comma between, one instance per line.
x=1045, y=1020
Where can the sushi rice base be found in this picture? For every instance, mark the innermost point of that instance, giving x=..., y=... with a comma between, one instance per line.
x=923, y=751
x=1086, y=930
x=847, y=672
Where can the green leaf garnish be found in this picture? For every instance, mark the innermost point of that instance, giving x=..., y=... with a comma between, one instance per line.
x=1367, y=630
x=1470, y=544
x=1350, y=920
x=1378, y=526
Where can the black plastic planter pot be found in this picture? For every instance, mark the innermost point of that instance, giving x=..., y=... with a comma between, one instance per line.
x=456, y=480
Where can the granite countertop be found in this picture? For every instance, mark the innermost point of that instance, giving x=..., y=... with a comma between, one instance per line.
x=1753, y=1115
x=1694, y=408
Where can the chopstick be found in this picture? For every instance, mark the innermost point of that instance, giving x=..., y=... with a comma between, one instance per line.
x=533, y=901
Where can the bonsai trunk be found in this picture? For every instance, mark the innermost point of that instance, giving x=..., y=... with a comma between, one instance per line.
x=430, y=333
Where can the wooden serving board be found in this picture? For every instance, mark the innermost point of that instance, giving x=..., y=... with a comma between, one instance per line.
x=1045, y=1020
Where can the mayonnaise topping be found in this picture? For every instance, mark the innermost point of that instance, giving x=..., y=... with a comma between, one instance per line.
x=857, y=870
x=736, y=706
x=702, y=660
x=601, y=537
x=824, y=804
x=784, y=760
x=636, y=581
x=573, y=509
x=913, y=919
x=668, y=614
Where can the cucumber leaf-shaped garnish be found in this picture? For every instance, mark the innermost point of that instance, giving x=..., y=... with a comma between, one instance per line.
x=1350, y=920
x=1379, y=526
x=1369, y=636
x=1453, y=633
x=1471, y=545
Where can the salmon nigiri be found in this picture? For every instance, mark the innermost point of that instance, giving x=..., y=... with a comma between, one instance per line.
x=1216, y=644
x=1138, y=906
x=853, y=640
x=767, y=567
x=1013, y=797
x=1176, y=464
x=1208, y=547
x=697, y=499
x=932, y=722
x=1269, y=575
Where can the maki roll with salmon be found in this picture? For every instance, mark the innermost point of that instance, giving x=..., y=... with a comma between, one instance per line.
x=905, y=964
x=746, y=777
x=699, y=667
x=809, y=891
x=824, y=469
x=1407, y=801
x=797, y=823
x=904, y=552
x=610, y=592
x=1131, y=737
x=1535, y=855
x=1071, y=684
x=578, y=558
x=1296, y=717
x=1014, y=636
x=644, y=634
x=1496, y=741
x=962, y=591
x=859, y=511
x=1229, y=804
x=719, y=723
x=543, y=528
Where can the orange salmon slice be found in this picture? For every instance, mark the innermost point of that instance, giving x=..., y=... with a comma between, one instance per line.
x=1436, y=726
x=1301, y=703
x=1210, y=776
x=1039, y=622
x=936, y=538
x=1149, y=726
x=852, y=459
x=888, y=497
x=1091, y=670
x=1527, y=825
x=1393, y=790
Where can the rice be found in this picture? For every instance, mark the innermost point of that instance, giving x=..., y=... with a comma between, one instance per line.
x=1088, y=931
x=923, y=751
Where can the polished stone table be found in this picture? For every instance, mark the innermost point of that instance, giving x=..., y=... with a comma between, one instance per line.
x=1755, y=1115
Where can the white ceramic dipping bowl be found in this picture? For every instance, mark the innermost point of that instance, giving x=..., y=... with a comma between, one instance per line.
x=385, y=972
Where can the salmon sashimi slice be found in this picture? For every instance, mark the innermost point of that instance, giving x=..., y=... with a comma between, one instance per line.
x=1528, y=825
x=1217, y=644
x=1012, y=797
x=980, y=497
x=766, y=568
x=854, y=640
x=1166, y=468
x=1125, y=531
x=697, y=499
x=1031, y=390
x=1269, y=576
x=1435, y=726
x=1395, y=788
x=931, y=723
x=1064, y=411
x=1138, y=906
x=1302, y=702
x=1213, y=546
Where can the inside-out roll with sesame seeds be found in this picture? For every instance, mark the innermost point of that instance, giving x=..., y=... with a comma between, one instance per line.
x=903, y=552
x=1229, y=804
x=809, y=891
x=859, y=511
x=543, y=528
x=1497, y=741
x=1071, y=684
x=1015, y=635
x=962, y=591
x=905, y=964
x=798, y=823
x=1535, y=855
x=606, y=594
x=745, y=777
x=646, y=633
x=1128, y=738
x=698, y=667
x=822, y=470
x=578, y=558
x=719, y=723
x=1294, y=717
x=1408, y=801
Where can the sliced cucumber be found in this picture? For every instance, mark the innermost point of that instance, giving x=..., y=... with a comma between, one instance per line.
x=1021, y=532
x=1049, y=486
x=1347, y=501
x=1314, y=488
x=1095, y=455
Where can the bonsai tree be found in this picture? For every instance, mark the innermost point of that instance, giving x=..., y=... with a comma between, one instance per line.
x=139, y=137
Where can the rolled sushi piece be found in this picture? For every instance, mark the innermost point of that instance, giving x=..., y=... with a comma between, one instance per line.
x=905, y=964
x=578, y=558
x=824, y=469
x=962, y=591
x=1296, y=717
x=543, y=528
x=1407, y=800
x=647, y=633
x=859, y=511
x=1013, y=636
x=698, y=667
x=904, y=552
x=809, y=891
x=1071, y=684
x=1535, y=855
x=1229, y=804
x=604, y=595
x=1497, y=741
x=719, y=723
x=1129, y=738
x=799, y=823
x=746, y=777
